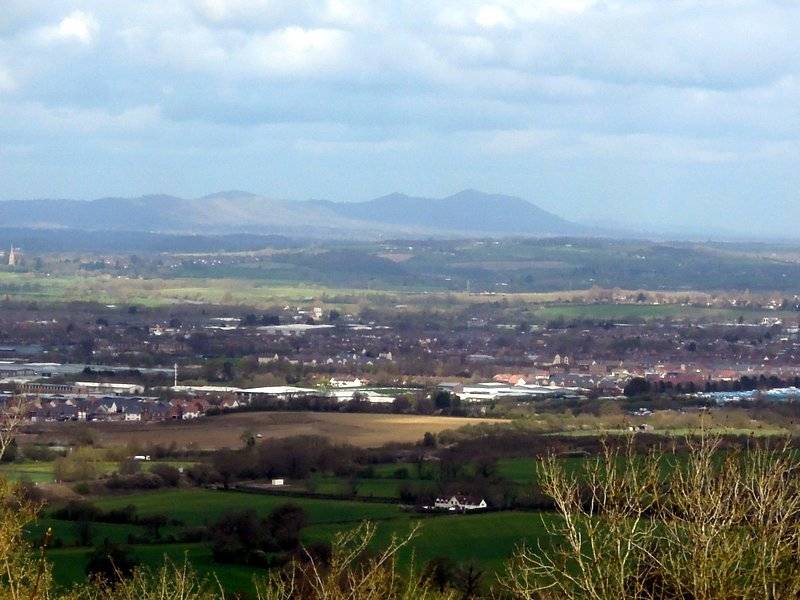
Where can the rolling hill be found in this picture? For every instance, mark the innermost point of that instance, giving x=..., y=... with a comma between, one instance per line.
x=397, y=215
x=468, y=211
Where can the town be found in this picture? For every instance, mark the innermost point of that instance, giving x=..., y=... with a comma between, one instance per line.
x=130, y=363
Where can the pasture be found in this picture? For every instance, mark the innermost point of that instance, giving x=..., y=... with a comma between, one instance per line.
x=230, y=290
x=488, y=539
x=43, y=471
x=624, y=312
x=35, y=472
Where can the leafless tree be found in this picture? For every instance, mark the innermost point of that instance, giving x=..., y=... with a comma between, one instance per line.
x=352, y=573
x=12, y=413
x=707, y=525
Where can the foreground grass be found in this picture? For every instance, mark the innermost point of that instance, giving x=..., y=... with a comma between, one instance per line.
x=69, y=564
x=487, y=539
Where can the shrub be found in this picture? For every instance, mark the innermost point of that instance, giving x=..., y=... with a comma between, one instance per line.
x=168, y=474
x=236, y=535
x=711, y=525
x=349, y=571
x=244, y=537
x=79, y=465
x=129, y=467
x=284, y=525
x=40, y=453
x=110, y=562
x=172, y=581
x=440, y=572
x=83, y=533
x=30, y=492
x=126, y=514
x=137, y=481
x=402, y=473
x=81, y=488
x=203, y=474
x=24, y=575
x=77, y=510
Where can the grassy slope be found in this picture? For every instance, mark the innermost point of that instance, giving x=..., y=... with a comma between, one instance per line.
x=486, y=538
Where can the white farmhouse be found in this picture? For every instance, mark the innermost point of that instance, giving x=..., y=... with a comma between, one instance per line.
x=457, y=503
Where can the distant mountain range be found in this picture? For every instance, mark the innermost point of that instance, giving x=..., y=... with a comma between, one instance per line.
x=397, y=215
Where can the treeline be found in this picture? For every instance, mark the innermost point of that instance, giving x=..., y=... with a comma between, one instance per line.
x=294, y=457
x=421, y=402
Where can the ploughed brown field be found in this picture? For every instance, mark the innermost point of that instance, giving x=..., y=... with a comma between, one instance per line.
x=358, y=429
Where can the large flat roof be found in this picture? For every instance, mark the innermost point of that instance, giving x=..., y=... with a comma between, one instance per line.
x=278, y=389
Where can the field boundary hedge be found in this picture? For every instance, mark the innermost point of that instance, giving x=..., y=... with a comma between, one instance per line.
x=254, y=489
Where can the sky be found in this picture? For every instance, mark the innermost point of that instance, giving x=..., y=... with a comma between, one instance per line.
x=665, y=113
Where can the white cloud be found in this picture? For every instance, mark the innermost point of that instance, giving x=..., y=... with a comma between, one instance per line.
x=350, y=13
x=7, y=81
x=260, y=14
x=550, y=9
x=295, y=50
x=78, y=26
x=216, y=10
x=490, y=16
x=231, y=55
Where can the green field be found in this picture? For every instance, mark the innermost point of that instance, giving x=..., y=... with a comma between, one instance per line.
x=635, y=311
x=157, y=291
x=42, y=471
x=523, y=471
x=442, y=266
x=374, y=487
x=487, y=539
x=36, y=472
x=227, y=289
x=385, y=484
x=197, y=507
x=69, y=564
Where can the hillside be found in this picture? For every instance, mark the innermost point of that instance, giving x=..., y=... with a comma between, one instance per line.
x=396, y=215
x=468, y=211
